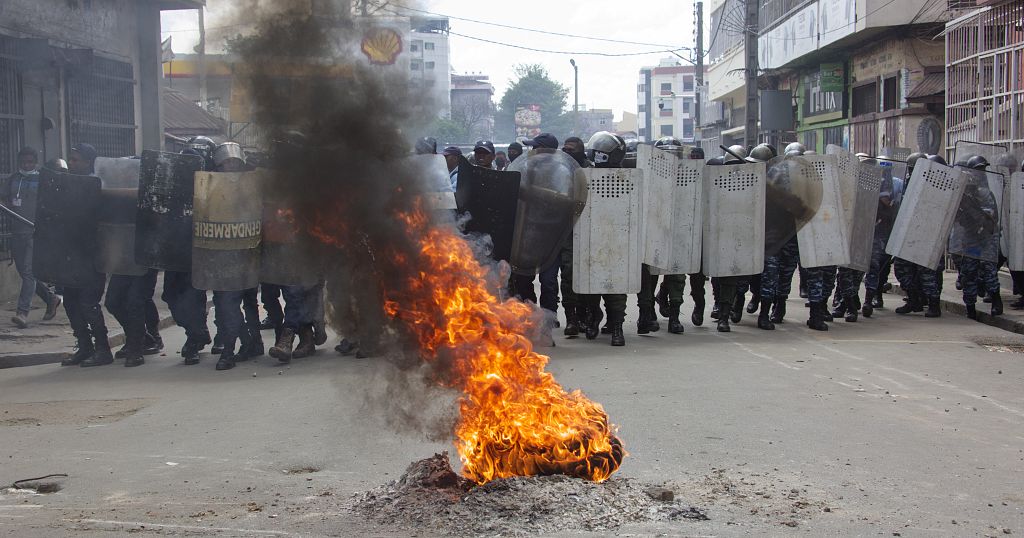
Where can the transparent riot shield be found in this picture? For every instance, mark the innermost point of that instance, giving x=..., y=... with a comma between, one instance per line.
x=793, y=193
x=67, y=212
x=163, y=235
x=607, y=252
x=228, y=223
x=975, y=232
x=1013, y=225
x=118, y=173
x=965, y=149
x=734, y=218
x=825, y=241
x=926, y=214
x=552, y=193
x=115, y=233
x=673, y=210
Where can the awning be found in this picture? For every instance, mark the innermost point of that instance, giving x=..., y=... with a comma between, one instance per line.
x=734, y=130
x=933, y=84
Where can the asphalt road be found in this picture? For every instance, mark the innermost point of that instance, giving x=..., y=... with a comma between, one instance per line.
x=890, y=425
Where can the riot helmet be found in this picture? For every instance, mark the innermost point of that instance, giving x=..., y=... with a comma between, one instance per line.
x=913, y=158
x=738, y=150
x=606, y=150
x=426, y=146
x=937, y=159
x=862, y=156
x=229, y=156
x=668, y=142
x=760, y=154
x=204, y=145
x=795, y=148
x=977, y=162
x=716, y=161
x=810, y=152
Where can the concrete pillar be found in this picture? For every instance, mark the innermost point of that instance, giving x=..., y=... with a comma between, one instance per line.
x=150, y=120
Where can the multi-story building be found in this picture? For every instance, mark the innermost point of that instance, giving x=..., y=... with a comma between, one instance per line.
x=985, y=75
x=860, y=72
x=472, y=105
x=430, y=60
x=593, y=120
x=666, y=101
x=723, y=106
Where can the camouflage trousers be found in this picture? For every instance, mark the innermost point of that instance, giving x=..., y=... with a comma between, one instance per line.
x=614, y=305
x=777, y=277
x=725, y=289
x=848, y=281
x=972, y=271
x=672, y=285
x=878, y=257
x=916, y=279
x=820, y=283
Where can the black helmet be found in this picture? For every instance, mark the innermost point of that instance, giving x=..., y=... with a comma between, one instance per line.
x=716, y=161
x=913, y=158
x=760, y=154
x=426, y=146
x=203, y=144
x=937, y=159
x=668, y=142
x=977, y=162
x=606, y=150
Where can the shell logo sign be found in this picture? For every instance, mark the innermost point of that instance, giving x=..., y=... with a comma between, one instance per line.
x=382, y=46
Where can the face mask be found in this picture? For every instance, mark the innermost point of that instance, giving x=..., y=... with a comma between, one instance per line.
x=29, y=174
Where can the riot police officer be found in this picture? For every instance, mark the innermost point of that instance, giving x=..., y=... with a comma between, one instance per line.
x=923, y=285
x=772, y=287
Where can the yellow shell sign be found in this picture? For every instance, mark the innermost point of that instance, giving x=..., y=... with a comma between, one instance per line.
x=382, y=46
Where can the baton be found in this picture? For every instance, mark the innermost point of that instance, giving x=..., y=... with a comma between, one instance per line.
x=731, y=153
x=17, y=216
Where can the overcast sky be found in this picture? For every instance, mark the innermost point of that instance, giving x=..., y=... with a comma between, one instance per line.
x=605, y=82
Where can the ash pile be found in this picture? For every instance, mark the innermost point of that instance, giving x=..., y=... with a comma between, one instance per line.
x=430, y=496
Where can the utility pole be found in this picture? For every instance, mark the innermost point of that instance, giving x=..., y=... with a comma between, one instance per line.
x=699, y=76
x=750, y=45
x=576, y=97
x=202, y=58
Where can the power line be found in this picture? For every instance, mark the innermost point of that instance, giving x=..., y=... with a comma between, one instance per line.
x=575, y=53
x=576, y=36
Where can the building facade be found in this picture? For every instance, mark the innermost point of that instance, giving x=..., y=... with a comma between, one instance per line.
x=472, y=105
x=985, y=76
x=666, y=102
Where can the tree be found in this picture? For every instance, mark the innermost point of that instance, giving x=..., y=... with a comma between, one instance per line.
x=475, y=114
x=448, y=131
x=533, y=86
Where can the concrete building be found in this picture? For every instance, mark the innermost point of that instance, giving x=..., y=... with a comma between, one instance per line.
x=984, y=101
x=628, y=123
x=78, y=71
x=472, y=105
x=666, y=101
x=852, y=68
x=593, y=120
x=430, y=60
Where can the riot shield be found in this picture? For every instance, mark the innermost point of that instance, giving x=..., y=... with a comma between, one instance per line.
x=734, y=216
x=897, y=157
x=119, y=173
x=115, y=233
x=793, y=192
x=825, y=240
x=491, y=198
x=67, y=211
x=227, y=224
x=552, y=192
x=435, y=182
x=926, y=214
x=288, y=255
x=606, y=248
x=975, y=232
x=163, y=234
x=865, y=215
x=965, y=149
x=1013, y=225
x=672, y=210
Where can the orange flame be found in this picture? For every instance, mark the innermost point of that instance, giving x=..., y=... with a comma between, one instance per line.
x=516, y=420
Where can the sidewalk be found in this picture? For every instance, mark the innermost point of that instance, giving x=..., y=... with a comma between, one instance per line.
x=48, y=342
x=953, y=302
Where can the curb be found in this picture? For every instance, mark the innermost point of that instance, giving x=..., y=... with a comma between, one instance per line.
x=53, y=357
x=958, y=308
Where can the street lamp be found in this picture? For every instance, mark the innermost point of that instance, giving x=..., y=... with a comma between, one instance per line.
x=576, y=97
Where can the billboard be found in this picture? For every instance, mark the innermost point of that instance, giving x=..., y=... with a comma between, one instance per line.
x=527, y=121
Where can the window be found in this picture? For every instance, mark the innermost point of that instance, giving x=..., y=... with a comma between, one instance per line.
x=415, y=65
x=602, y=122
x=429, y=65
x=834, y=135
x=641, y=108
x=12, y=119
x=809, y=139
x=428, y=46
x=101, y=107
x=865, y=99
x=641, y=88
x=666, y=130
x=687, y=105
x=891, y=93
x=687, y=128
x=643, y=132
x=666, y=88
x=414, y=46
x=688, y=84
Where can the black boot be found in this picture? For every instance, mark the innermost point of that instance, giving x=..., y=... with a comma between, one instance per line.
x=803, y=289
x=911, y=305
x=648, y=322
x=102, y=357
x=572, y=323
x=218, y=345
x=997, y=305
x=674, y=326
x=869, y=306
x=282, y=350
x=662, y=299
x=84, y=352
x=876, y=301
x=839, y=310
x=852, y=303
x=764, y=317
x=817, y=317
x=778, y=311
x=133, y=358
x=320, y=333
x=716, y=311
x=226, y=360
x=935, y=310
x=723, y=319
x=755, y=301
x=257, y=348
x=154, y=345
x=1018, y=304
x=618, y=339
x=697, y=317
x=972, y=311
x=736, y=312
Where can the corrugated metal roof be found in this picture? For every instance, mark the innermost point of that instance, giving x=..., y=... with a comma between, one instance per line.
x=932, y=84
x=182, y=116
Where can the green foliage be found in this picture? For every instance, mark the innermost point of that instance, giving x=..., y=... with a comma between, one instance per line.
x=448, y=131
x=533, y=85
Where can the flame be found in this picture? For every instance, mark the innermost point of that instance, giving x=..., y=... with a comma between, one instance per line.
x=516, y=420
